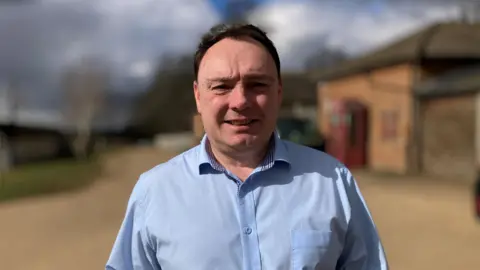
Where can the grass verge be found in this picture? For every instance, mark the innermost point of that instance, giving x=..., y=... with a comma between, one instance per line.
x=48, y=177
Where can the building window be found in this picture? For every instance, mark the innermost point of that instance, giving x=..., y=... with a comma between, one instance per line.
x=389, y=124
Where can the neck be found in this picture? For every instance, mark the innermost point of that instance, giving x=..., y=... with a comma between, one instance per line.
x=239, y=162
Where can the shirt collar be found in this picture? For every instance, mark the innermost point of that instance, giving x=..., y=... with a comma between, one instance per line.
x=277, y=152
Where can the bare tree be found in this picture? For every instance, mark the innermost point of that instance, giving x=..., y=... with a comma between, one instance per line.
x=85, y=87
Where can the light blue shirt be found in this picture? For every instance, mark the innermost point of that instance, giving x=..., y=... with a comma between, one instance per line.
x=300, y=209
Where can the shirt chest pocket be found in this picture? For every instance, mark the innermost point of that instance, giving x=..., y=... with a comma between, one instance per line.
x=314, y=250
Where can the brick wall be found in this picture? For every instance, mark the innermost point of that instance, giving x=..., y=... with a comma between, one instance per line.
x=385, y=91
x=448, y=136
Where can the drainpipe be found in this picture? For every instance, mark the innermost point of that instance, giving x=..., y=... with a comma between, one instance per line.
x=416, y=133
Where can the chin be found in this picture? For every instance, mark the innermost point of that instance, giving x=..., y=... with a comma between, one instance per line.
x=244, y=140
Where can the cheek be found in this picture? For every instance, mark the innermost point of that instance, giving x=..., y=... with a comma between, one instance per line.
x=266, y=102
x=215, y=108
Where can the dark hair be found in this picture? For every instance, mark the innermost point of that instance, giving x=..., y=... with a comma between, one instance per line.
x=235, y=31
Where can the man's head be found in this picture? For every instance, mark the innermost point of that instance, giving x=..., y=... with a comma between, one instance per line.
x=237, y=86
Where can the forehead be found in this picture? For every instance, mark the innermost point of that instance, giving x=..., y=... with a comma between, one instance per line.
x=235, y=58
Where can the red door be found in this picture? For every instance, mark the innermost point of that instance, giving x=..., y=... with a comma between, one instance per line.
x=348, y=137
x=357, y=127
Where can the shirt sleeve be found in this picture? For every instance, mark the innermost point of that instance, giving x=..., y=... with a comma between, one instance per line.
x=132, y=249
x=363, y=249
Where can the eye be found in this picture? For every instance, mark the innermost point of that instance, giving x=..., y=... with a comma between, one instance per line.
x=221, y=87
x=257, y=85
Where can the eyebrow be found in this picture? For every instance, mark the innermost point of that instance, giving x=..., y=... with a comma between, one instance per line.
x=262, y=77
x=219, y=79
x=247, y=77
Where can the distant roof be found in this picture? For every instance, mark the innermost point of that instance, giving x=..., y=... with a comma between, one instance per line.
x=454, y=40
x=458, y=81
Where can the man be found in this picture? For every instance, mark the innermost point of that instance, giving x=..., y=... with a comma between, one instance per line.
x=245, y=199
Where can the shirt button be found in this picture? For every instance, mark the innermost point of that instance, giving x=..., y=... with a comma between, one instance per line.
x=247, y=230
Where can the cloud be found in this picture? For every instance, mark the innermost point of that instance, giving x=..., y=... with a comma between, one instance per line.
x=129, y=35
x=299, y=28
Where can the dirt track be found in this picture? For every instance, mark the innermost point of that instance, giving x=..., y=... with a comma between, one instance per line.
x=76, y=230
x=422, y=226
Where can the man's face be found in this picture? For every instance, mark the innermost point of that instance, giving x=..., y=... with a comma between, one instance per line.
x=238, y=94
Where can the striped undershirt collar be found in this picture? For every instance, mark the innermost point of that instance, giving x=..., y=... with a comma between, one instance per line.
x=266, y=164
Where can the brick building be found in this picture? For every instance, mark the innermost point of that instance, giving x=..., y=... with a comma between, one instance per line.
x=451, y=122
x=421, y=103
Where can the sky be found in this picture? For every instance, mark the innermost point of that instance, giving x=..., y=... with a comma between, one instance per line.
x=39, y=38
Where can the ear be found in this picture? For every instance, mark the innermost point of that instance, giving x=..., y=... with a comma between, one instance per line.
x=196, y=93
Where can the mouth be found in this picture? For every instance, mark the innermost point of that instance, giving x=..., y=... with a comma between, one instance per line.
x=241, y=122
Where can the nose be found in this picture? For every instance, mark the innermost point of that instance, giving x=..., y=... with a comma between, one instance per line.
x=239, y=99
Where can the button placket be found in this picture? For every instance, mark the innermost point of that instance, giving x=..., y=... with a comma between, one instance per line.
x=247, y=230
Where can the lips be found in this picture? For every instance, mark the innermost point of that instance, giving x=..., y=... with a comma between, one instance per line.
x=241, y=122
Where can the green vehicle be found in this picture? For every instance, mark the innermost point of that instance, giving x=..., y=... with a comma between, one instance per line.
x=301, y=131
